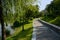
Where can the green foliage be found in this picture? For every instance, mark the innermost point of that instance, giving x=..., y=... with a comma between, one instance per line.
x=16, y=24
x=7, y=33
x=28, y=14
x=56, y=21
x=15, y=9
x=53, y=13
x=22, y=35
x=54, y=8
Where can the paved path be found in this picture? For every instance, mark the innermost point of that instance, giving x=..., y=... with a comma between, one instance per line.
x=43, y=32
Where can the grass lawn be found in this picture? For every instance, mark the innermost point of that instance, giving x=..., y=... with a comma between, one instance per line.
x=55, y=21
x=22, y=35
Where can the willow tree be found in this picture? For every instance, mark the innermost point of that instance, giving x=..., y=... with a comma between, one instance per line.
x=8, y=10
x=20, y=9
x=5, y=14
x=18, y=6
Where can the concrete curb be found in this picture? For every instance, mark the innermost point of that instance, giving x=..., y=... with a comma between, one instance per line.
x=34, y=33
x=52, y=26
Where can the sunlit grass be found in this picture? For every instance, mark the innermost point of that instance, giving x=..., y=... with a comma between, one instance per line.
x=22, y=35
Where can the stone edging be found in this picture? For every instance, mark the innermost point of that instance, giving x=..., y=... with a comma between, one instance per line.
x=52, y=26
x=34, y=34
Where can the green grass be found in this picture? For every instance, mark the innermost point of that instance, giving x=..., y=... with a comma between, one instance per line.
x=46, y=19
x=55, y=21
x=22, y=35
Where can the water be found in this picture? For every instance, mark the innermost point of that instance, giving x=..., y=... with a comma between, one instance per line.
x=8, y=28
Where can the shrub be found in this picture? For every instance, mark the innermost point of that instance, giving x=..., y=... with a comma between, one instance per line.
x=56, y=21
x=7, y=32
x=16, y=24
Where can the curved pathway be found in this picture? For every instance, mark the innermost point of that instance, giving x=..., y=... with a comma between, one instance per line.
x=43, y=32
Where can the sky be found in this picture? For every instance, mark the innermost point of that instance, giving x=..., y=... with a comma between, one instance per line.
x=43, y=3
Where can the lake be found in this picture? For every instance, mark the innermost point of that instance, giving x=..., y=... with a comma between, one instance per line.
x=8, y=28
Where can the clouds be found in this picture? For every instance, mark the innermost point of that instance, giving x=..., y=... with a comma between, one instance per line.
x=43, y=3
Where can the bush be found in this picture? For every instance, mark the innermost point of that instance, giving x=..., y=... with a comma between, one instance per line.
x=16, y=24
x=56, y=21
x=7, y=32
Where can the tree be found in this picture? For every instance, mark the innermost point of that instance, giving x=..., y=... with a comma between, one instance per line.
x=54, y=8
x=23, y=7
x=2, y=21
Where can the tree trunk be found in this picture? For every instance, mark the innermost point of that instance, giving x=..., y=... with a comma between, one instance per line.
x=23, y=28
x=2, y=22
x=23, y=25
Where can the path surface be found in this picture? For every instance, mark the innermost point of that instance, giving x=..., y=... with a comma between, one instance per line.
x=43, y=32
